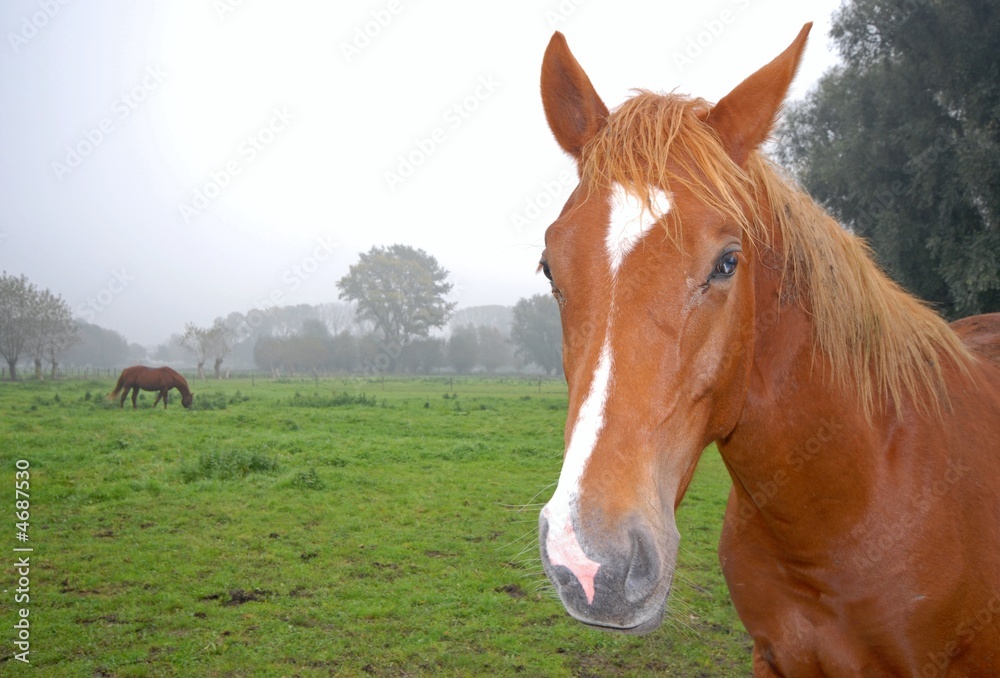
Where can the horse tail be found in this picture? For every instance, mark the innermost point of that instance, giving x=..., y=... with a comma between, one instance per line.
x=118, y=387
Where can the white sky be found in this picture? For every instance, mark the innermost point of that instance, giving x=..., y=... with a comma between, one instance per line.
x=114, y=114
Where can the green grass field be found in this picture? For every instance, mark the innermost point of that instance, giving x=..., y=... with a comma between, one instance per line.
x=296, y=528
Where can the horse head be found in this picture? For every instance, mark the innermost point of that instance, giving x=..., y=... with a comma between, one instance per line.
x=653, y=270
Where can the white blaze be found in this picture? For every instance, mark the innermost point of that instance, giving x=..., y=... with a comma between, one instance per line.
x=630, y=222
x=583, y=439
x=562, y=545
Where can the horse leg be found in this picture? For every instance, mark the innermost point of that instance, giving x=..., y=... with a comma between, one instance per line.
x=135, y=394
x=166, y=394
x=158, y=396
x=121, y=403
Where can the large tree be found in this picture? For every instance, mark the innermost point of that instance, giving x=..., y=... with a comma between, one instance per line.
x=401, y=291
x=537, y=333
x=902, y=143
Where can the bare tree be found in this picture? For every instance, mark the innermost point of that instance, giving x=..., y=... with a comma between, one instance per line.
x=337, y=317
x=215, y=342
x=195, y=339
x=65, y=335
x=52, y=331
x=33, y=321
x=17, y=298
x=221, y=339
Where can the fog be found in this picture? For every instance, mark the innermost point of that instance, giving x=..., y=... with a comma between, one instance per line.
x=171, y=164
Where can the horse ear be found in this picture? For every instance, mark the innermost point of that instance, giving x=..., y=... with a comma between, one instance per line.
x=572, y=107
x=745, y=116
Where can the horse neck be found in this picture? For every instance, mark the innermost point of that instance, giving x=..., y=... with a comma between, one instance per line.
x=798, y=430
x=182, y=386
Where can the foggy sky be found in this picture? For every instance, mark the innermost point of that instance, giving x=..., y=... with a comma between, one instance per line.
x=171, y=164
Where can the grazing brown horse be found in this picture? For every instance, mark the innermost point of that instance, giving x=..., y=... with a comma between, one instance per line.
x=160, y=379
x=705, y=298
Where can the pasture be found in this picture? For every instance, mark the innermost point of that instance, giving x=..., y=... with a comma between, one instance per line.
x=301, y=528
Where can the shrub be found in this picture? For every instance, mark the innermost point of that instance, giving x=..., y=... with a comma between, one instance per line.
x=210, y=401
x=228, y=465
x=308, y=481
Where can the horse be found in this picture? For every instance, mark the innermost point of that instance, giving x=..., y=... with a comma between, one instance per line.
x=705, y=298
x=160, y=379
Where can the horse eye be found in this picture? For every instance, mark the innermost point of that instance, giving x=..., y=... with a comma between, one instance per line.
x=726, y=265
x=544, y=265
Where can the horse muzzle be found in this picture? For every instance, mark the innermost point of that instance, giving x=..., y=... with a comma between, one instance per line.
x=618, y=584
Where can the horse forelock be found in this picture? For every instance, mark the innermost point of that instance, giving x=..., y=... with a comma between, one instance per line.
x=878, y=338
x=655, y=141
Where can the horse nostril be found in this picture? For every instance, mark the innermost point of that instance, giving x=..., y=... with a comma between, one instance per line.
x=563, y=577
x=643, y=570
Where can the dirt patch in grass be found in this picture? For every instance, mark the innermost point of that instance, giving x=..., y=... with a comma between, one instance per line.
x=242, y=597
x=513, y=590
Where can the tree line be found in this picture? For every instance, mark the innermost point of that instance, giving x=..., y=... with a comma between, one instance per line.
x=33, y=323
x=531, y=340
x=299, y=340
x=315, y=350
x=394, y=298
x=393, y=316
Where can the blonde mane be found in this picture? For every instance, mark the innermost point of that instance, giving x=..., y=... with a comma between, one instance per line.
x=879, y=339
